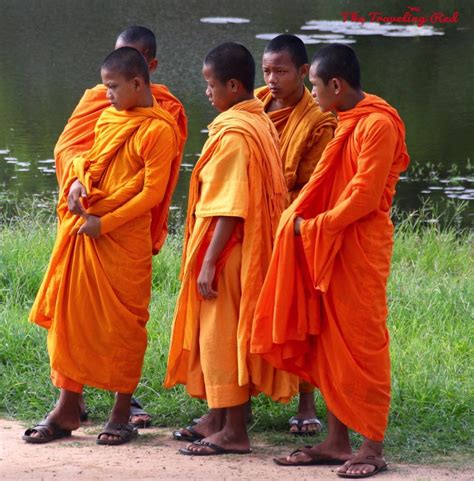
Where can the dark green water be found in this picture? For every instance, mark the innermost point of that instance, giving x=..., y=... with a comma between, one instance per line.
x=51, y=50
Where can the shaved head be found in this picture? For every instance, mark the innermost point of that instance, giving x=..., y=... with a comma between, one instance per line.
x=232, y=60
x=292, y=44
x=140, y=36
x=129, y=62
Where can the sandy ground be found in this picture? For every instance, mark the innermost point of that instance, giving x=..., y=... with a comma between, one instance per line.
x=154, y=456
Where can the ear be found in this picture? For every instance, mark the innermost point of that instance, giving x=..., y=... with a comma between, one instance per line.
x=138, y=83
x=234, y=85
x=336, y=85
x=304, y=70
x=153, y=65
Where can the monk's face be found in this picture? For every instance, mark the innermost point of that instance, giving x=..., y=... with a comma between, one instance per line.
x=221, y=95
x=282, y=76
x=325, y=95
x=122, y=93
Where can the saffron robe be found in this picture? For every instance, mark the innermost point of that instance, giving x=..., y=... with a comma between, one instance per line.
x=78, y=137
x=94, y=296
x=322, y=310
x=251, y=187
x=304, y=132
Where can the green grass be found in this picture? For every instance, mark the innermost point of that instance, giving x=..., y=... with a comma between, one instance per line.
x=431, y=312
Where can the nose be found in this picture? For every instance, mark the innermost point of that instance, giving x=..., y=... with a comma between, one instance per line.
x=208, y=92
x=109, y=94
x=313, y=92
x=272, y=78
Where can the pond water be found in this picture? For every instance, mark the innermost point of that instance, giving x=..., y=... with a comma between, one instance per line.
x=51, y=51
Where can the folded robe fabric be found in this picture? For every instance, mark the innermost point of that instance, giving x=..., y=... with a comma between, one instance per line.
x=78, y=137
x=94, y=296
x=304, y=132
x=216, y=191
x=322, y=310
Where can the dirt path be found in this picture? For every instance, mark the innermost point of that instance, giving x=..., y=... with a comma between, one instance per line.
x=154, y=457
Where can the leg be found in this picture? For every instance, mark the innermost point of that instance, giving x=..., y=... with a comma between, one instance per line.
x=335, y=448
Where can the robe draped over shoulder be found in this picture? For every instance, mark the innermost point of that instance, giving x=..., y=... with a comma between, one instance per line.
x=78, y=137
x=322, y=311
x=94, y=296
x=304, y=132
x=239, y=174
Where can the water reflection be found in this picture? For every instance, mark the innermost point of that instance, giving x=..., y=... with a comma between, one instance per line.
x=49, y=57
x=223, y=20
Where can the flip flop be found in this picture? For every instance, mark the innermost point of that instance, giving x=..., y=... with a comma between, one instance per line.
x=190, y=438
x=378, y=462
x=314, y=461
x=49, y=432
x=216, y=450
x=125, y=432
x=136, y=409
x=294, y=421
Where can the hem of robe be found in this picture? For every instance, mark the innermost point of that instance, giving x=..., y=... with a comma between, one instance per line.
x=63, y=382
x=113, y=386
x=227, y=396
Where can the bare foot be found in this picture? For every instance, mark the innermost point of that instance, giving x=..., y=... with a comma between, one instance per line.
x=322, y=451
x=210, y=423
x=65, y=414
x=225, y=439
x=140, y=419
x=358, y=465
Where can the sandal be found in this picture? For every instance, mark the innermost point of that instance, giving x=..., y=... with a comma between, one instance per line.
x=136, y=409
x=294, y=421
x=314, y=461
x=216, y=450
x=48, y=432
x=378, y=462
x=193, y=435
x=125, y=432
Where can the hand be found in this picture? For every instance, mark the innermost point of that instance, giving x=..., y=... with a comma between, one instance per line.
x=91, y=227
x=205, y=279
x=76, y=192
x=298, y=222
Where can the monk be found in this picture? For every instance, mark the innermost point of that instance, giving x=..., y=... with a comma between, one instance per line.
x=304, y=132
x=236, y=196
x=322, y=311
x=112, y=213
x=78, y=137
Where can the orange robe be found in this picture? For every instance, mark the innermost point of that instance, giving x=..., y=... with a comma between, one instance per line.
x=304, y=132
x=238, y=175
x=94, y=297
x=322, y=310
x=78, y=137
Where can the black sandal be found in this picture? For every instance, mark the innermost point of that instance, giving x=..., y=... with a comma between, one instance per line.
x=48, y=432
x=136, y=409
x=125, y=433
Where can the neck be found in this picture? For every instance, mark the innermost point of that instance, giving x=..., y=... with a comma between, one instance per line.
x=351, y=99
x=243, y=97
x=146, y=99
x=290, y=101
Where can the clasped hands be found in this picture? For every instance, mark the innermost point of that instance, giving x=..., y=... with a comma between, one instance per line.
x=91, y=226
